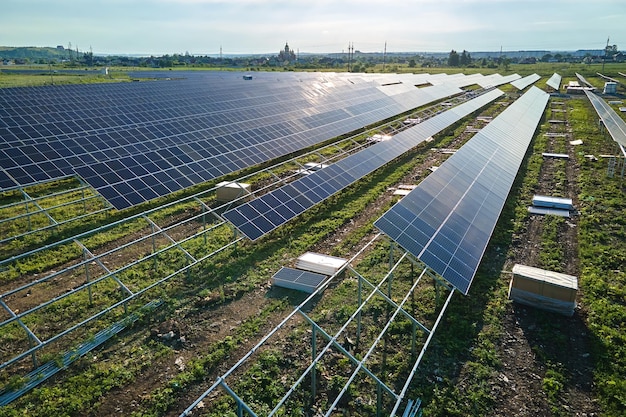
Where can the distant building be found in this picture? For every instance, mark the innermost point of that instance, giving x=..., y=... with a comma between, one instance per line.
x=60, y=47
x=287, y=55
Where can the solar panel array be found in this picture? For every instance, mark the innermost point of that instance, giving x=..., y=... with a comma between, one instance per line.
x=136, y=141
x=266, y=213
x=612, y=121
x=298, y=279
x=495, y=80
x=522, y=83
x=554, y=81
x=584, y=80
x=447, y=220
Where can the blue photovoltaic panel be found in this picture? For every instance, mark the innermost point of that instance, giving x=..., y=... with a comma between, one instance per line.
x=584, y=81
x=136, y=141
x=266, y=213
x=611, y=120
x=495, y=80
x=298, y=279
x=522, y=83
x=447, y=220
x=554, y=81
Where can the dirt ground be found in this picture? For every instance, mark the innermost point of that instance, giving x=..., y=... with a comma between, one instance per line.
x=520, y=390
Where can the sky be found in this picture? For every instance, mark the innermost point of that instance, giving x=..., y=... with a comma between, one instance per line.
x=202, y=27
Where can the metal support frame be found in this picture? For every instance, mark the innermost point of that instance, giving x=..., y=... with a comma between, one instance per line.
x=88, y=257
x=102, y=312
x=318, y=353
x=54, y=223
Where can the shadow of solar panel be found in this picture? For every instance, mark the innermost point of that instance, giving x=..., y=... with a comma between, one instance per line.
x=447, y=220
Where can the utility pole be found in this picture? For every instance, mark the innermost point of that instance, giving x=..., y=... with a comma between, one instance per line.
x=384, y=56
x=350, y=54
x=606, y=50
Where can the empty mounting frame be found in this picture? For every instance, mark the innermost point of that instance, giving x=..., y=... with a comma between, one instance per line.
x=447, y=220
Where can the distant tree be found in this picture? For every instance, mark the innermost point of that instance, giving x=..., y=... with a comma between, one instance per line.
x=453, y=59
x=165, y=61
x=558, y=57
x=465, y=59
x=88, y=58
x=506, y=63
x=483, y=63
x=546, y=58
x=412, y=63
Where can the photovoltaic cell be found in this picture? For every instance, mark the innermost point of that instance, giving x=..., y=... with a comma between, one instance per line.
x=262, y=215
x=447, y=220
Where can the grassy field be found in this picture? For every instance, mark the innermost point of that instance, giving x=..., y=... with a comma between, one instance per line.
x=473, y=325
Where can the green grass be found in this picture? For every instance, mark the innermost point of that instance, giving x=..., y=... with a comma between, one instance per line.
x=471, y=328
x=602, y=240
x=33, y=80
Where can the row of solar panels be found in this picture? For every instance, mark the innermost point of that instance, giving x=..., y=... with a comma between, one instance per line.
x=264, y=214
x=447, y=220
x=522, y=83
x=554, y=82
x=137, y=141
x=614, y=124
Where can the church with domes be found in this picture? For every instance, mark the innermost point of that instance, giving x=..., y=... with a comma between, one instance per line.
x=287, y=55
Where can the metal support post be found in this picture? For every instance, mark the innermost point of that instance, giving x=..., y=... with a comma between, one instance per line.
x=413, y=339
x=314, y=370
x=30, y=227
x=391, y=248
x=358, y=317
x=84, y=201
x=87, y=276
x=204, y=224
x=154, y=246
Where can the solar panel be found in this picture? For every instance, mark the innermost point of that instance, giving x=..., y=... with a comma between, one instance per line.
x=550, y=211
x=447, y=220
x=297, y=279
x=584, y=81
x=266, y=213
x=136, y=141
x=522, y=83
x=614, y=124
x=495, y=80
x=554, y=81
